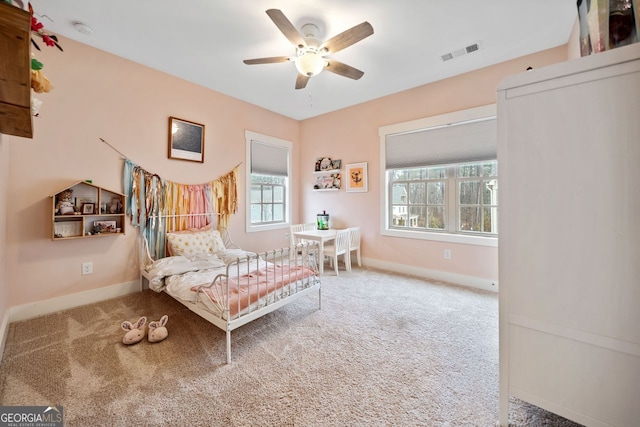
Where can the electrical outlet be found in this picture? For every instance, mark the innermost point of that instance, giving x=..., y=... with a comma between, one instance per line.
x=447, y=254
x=286, y=236
x=87, y=268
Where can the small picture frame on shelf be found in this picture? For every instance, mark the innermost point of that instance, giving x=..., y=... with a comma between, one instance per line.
x=105, y=227
x=88, y=208
x=357, y=177
x=186, y=140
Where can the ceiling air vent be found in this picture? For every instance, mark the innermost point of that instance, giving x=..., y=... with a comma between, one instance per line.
x=459, y=52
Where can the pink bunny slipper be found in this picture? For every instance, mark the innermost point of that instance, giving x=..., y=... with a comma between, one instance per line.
x=135, y=331
x=157, y=330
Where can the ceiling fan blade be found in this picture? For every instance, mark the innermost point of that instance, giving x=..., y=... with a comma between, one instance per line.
x=345, y=39
x=286, y=27
x=270, y=60
x=343, y=69
x=301, y=81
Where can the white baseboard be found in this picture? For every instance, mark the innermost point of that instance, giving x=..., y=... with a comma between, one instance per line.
x=52, y=305
x=443, y=276
x=4, y=330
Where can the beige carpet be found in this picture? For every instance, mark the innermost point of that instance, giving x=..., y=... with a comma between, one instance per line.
x=384, y=350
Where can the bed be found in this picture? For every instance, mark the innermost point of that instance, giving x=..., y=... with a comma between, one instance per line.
x=226, y=285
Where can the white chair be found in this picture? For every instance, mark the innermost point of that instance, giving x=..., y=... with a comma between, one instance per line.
x=340, y=247
x=309, y=226
x=292, y=229
x=354, y=245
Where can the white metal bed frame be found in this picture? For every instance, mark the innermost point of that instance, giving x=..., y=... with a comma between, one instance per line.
x=304, y=255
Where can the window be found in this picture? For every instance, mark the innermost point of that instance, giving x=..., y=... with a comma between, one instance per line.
x=268, y=192
x=267, y=199
x=456, y=199
x=440, y=178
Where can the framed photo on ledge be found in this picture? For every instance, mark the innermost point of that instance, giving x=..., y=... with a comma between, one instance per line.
x=357, y=177
x=88, y=208
x=186, y=140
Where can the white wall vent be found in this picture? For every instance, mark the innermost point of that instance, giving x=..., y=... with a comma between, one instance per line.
x=459, y=52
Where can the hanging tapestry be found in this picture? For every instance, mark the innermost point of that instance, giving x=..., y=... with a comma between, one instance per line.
x=159, y=206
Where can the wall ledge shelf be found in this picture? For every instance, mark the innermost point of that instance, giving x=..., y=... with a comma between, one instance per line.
x=327, y=171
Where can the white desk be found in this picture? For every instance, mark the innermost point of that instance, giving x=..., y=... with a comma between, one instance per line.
x=320, y=236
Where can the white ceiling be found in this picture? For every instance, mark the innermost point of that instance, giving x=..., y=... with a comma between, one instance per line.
x=205, y=41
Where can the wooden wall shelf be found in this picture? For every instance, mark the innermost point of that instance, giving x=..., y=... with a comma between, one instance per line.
x=92, y=204
x=15, y=72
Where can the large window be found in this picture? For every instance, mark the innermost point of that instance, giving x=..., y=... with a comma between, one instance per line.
x=456, y=198
x=268, y=192
x=440, y=178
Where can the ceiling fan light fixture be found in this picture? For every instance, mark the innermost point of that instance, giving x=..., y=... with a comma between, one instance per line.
x=310, y=58
x=310, y=64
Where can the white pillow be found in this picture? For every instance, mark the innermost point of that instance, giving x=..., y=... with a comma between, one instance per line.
x=216, y=242
x=230, y=255
x=190, y=243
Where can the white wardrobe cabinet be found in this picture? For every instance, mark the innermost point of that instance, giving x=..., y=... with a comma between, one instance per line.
x=569, y=245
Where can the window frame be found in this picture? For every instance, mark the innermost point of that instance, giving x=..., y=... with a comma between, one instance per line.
x=483, y=112
x=276, y=142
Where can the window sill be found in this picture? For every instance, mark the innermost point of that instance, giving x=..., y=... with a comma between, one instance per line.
x=266, y=227
x=443, y=237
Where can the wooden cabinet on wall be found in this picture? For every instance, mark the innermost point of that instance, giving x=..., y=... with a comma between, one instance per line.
x=569, y=150
x=87, y=211
x=15, y=71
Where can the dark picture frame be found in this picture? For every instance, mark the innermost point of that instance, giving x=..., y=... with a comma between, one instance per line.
x=88, y=208
x=186, y=140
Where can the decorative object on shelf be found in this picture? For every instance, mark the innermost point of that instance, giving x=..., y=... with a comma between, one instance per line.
x=39, y=82
x=323, y=221
x=607, y=24
x=116, y=205
x=328, y=182
x=357, y=177
x=64, y=206
x=186, y=140
x=37, y=28
x=88, y=208
x=105, y=227
x=17, y=3
x=326, y=164
x=35, y=106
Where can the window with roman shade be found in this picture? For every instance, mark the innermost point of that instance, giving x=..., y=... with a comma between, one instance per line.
x=268, y=192
x=441, y=176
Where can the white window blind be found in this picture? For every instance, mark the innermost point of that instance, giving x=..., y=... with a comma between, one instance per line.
x=443, y=145
x=267, y=159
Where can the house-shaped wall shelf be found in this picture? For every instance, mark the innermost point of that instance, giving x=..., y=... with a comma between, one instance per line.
x=87, y=210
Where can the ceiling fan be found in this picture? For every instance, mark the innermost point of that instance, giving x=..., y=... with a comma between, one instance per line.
x=311, y=54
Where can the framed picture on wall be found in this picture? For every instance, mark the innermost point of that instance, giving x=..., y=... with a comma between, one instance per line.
x=186, y=140
x=357, y=177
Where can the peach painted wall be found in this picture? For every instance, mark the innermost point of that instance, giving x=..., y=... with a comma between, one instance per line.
x=351, y=134
x=98, y=95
